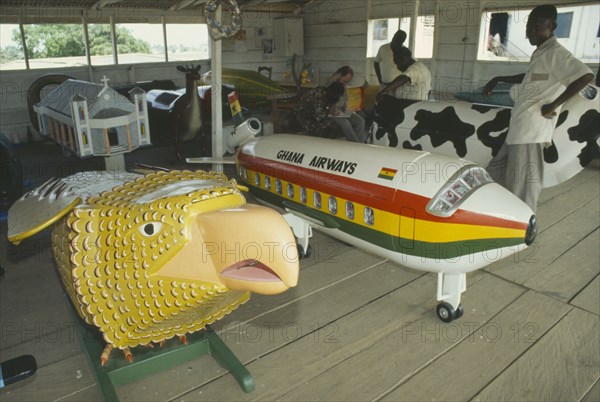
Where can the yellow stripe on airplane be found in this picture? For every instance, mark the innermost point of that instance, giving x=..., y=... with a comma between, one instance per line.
x=389, y=223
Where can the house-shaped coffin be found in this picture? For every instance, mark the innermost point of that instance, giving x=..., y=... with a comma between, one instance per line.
x=94, y=120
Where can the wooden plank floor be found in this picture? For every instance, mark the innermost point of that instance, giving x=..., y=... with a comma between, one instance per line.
x=357, y=327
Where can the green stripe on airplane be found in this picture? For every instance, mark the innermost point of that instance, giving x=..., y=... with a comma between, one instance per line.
x=436, y=251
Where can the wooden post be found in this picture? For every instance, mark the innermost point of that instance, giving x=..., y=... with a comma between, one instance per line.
x=24, y=44
x=216, y=106
x=63, y=136
x=72, y=142
x=113, y=35
x=164, y=28
x=413, y=24
x=51, y=127
x=56, y=131
x=86, y=44
x=106, y=141
x=128, y=138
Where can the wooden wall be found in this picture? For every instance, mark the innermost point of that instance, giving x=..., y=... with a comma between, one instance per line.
x=247, y=54
x=335, y=34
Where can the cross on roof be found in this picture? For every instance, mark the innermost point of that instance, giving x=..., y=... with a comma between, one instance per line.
x=105, y=80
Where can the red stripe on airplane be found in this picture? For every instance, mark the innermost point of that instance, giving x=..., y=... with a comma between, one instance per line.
x=366, y=193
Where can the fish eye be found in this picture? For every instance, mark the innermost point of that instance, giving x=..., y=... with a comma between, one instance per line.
x=150, y=229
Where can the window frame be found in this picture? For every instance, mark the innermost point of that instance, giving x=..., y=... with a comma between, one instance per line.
x=85, y=24
x=521, y=13
x=411, y=32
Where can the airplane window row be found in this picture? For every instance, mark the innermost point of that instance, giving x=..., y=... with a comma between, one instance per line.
x=332, y=202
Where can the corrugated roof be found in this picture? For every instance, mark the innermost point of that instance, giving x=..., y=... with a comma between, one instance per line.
x=60, y=98
x=109, y=113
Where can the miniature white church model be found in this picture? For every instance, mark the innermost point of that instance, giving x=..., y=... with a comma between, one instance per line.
x=94, y=120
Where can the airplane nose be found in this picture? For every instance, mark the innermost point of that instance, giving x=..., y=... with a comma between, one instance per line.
x=531, y=232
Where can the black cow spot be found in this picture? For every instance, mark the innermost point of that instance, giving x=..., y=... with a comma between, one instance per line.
x=481, y=108
x=388, y=114
x=562, y=117
x=408, y=145
x=551, y=153
x=383, y=128
x=587, y=131
x=499, y=123
x=443, y=127
x=380, y=132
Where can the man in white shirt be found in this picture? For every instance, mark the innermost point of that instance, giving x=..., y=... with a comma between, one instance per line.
x=414, y=81
x=553, y=77
x=385, y=68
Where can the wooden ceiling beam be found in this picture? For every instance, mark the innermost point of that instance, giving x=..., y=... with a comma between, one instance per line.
x=185, y=3
x=251, y=3
x=103, y=3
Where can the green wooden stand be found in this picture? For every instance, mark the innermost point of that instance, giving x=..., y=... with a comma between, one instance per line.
x=117, y=371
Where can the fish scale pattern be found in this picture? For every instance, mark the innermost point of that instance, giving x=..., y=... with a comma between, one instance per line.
x=110, y=250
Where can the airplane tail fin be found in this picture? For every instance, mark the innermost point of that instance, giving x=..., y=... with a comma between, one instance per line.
x=243, y=132
x=244, y=128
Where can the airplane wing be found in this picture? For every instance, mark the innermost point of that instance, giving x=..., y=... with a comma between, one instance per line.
x=210, y=160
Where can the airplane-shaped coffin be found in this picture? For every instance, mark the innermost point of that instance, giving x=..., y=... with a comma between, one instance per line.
x=424, y=211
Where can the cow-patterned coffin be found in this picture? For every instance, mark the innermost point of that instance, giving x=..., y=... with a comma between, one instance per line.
x=476, y=131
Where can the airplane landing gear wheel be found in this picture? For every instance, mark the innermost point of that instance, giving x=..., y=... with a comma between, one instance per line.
x=304, y=254
x=446, y=312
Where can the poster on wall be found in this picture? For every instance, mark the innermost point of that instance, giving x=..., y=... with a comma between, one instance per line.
x=267, y=46
x=259, y=35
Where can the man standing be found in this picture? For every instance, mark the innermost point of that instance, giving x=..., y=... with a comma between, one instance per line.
x=553, y=77
x=414, y=81
x=385, y=68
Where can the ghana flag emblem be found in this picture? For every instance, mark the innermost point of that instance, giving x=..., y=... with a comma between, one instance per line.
x=387, y=173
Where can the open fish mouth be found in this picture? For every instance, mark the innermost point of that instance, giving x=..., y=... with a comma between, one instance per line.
x=251, y=271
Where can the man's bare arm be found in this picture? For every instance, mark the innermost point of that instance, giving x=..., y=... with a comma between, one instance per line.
x=572, y=90
x=511, y=79
x=392, y=86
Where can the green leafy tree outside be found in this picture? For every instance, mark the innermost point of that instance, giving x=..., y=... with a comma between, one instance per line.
x=9, y=53
x=64, y=40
